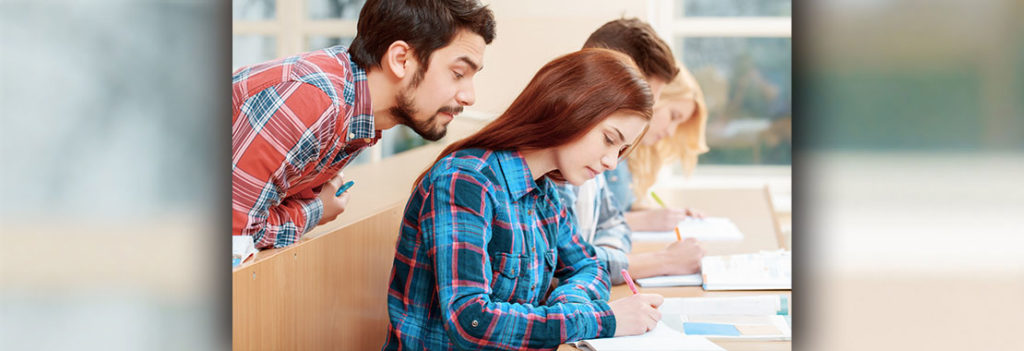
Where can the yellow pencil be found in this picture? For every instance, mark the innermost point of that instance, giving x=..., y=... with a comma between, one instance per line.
x=658, y=199
x=678, y=237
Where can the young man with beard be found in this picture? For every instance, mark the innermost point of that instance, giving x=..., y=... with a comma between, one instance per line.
x=297, y=121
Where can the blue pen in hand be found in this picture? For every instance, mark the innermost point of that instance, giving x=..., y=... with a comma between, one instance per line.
x=344, y=187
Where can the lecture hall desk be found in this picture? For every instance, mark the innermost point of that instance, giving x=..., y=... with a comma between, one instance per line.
x=751, y=209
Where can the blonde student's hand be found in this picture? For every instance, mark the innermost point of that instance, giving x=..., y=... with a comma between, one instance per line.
x=682, y=257
x=693, y=213
x=636, y=314
x=333, y=205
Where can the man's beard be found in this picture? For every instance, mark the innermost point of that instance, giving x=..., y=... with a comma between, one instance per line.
x=428, y=129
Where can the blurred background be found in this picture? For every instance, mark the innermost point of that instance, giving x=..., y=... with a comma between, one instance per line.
x=114, y=175
x=907, y=198
x=905, y=201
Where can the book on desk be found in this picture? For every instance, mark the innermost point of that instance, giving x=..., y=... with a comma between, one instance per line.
x=691, y=323
x=766, y=270
x=758, y=317
x=661, y=338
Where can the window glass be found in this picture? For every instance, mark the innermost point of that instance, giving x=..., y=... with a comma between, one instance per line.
x=747, y=83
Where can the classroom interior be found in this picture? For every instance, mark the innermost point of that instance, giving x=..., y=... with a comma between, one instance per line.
x=289, y=298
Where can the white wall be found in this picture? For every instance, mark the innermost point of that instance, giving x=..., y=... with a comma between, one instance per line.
x=532, y=32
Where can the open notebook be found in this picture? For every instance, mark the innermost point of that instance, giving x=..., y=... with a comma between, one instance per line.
x=704, y=229
x=661, y=338
x=759, y=317
x=766, y=270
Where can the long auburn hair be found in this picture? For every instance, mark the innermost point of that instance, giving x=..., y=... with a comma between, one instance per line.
x=565, y=99
x=686, y=144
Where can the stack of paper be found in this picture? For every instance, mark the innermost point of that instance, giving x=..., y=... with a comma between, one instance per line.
x=242, y=247
x=774, y=304
x=661, y=338
x=767, y=270
x=762, y=317
x=703, y=229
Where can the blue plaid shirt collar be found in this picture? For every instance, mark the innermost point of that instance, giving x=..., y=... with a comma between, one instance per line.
x=518, y=179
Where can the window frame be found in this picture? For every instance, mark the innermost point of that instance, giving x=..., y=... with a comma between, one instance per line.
x=661, y=15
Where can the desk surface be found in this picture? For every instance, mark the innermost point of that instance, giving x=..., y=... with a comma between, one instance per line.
x=751, y=210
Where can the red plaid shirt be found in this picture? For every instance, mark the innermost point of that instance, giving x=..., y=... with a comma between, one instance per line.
x=295, y=123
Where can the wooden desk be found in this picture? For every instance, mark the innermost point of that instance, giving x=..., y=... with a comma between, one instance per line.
x=751, y=210
x=324, y=293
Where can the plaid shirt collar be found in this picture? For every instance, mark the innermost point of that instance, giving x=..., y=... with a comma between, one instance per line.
x=361, y=126
x=517, y=175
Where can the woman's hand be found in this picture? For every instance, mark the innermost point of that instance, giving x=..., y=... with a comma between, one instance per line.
x=636, y=314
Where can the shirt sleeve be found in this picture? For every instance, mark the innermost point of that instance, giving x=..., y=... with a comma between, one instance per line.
x=612, y=240
x=461, y=217
x=276, y=134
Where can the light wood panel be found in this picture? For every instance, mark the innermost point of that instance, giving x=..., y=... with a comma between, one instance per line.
x=327, y=293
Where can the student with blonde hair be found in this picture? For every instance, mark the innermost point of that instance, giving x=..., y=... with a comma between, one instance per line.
x=677, y=132
x=597, y=207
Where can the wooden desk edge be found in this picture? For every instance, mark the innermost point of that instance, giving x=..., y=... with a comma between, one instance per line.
x=267, y=254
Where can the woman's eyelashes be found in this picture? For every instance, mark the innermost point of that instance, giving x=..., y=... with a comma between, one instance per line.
x=623, y=149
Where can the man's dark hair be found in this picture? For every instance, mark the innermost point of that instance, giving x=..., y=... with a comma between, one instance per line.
x=426, y=25
x=638, y=40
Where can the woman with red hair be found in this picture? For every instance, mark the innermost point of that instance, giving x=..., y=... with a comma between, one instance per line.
x=484, y=233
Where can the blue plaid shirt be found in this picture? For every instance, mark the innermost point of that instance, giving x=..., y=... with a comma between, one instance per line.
x=479, y=245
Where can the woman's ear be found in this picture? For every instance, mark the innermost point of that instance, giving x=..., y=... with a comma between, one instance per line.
x=397, y=59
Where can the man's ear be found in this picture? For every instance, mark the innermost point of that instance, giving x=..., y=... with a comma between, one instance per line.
x=398, y=58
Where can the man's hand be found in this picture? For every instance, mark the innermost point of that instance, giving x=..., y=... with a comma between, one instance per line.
x=333, y=205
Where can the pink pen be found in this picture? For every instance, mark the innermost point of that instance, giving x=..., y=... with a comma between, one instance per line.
x=629, y=280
